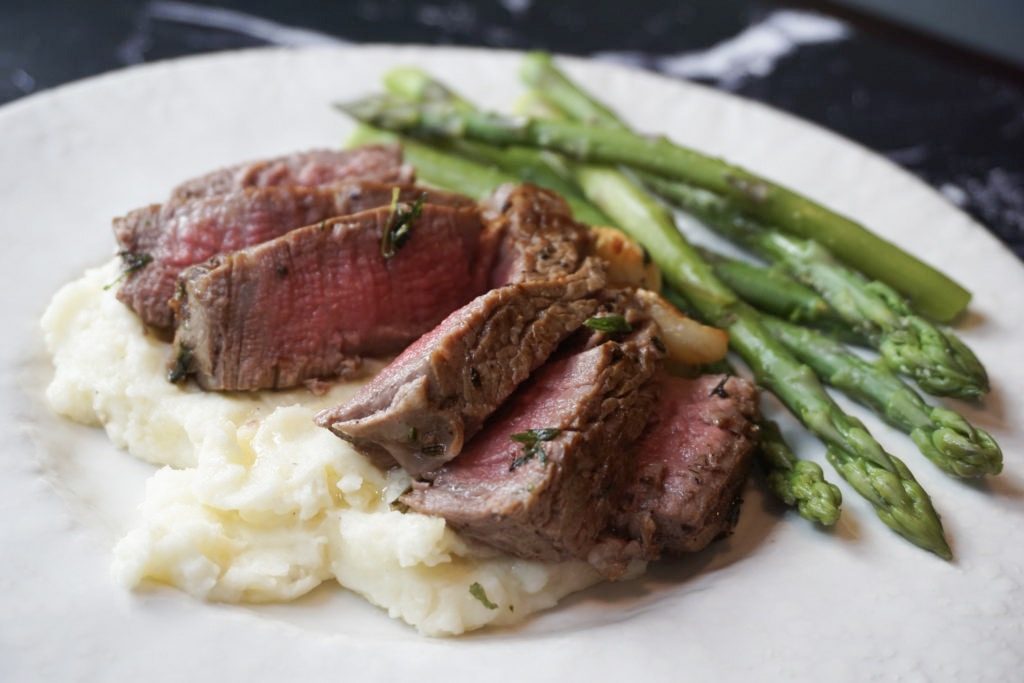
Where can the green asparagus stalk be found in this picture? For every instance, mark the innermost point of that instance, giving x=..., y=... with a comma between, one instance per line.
x=940, y=363
x=931, y=291
x=538, y=71
x=898, y=499
x=770, y=290
x=416, y=85
x=556, y=96
x=436, y=167
x=450, y=171
x=798, y=483
x=539, y=167
x=943, y=436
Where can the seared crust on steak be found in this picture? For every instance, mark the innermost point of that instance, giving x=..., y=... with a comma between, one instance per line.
x=308, y=169
x=539, y=238
x=420, y=410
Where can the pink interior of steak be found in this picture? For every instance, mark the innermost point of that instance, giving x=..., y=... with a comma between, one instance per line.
x=183, y=233
x=691, y=463
x=549, y=400
x=290, y=309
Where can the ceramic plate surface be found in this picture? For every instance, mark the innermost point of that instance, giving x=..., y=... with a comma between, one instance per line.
x=779, y=599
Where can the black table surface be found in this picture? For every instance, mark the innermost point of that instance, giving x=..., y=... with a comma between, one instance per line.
x=953, y=118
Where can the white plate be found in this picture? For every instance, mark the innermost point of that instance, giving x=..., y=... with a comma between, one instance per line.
x=779, y=599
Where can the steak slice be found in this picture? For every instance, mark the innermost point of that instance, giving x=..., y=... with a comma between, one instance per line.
x=539, y=238
x=305, y=304
x=164, y=240
x=421, y=409
x=553, y=499
x=312, y=168
x=690, y=464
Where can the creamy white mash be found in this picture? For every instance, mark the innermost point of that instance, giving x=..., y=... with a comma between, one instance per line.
x=259, y=504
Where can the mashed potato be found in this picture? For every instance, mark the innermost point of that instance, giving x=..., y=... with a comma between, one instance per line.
x=259, y=504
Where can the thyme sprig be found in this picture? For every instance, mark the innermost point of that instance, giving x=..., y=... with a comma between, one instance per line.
x=131, y=261
x=400, y=223
x=533, y=445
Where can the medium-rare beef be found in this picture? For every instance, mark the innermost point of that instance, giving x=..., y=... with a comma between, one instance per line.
x=312, y=168
x=161, y=241
x=540, y=480
x=539, y=238
x=421, y=409
x=690, y=464
x=303, y=305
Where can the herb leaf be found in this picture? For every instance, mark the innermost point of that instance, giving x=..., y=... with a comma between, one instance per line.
x=533, y=447
x=532, y=436
x=131, y=261
x=400, y=222
x=614, y=324
x=478, y=592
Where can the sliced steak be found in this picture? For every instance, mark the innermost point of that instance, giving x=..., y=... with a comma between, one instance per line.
x=690, y=464
x=163, y=241
x=312, y=168
x=421, y=409
x=539, y=238
x=303, y=305
x=551, y=497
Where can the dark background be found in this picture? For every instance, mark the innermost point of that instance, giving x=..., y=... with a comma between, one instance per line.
x=953, y=117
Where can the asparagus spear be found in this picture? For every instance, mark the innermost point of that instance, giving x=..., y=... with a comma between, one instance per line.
x=940, y=363
x=770, y=290
x=436, y=167
x=898, y=499
x=531, y=165
x=443, y=168
x=945, y=437
x=798, y=483
x=538, y=71
x=932, y=292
